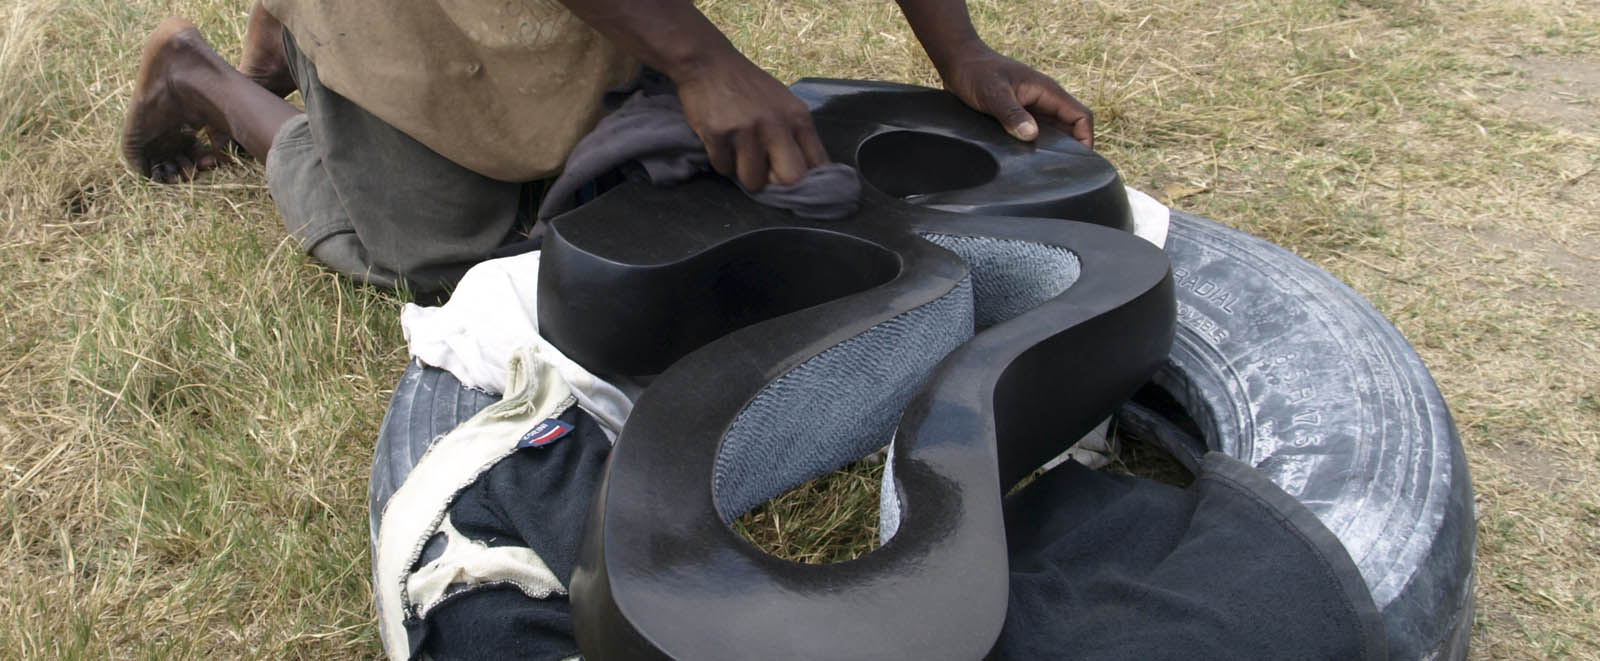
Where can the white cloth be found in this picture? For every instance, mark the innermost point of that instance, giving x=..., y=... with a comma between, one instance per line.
x=1150, y=218
x=490, y=316
x=536, y=391
x=467, y=562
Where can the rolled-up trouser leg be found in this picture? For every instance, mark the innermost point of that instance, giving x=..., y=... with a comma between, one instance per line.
x=372, y=203
x=311, y=208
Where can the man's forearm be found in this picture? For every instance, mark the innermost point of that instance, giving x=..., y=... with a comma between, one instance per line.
x=670, y=36
x=943, y=27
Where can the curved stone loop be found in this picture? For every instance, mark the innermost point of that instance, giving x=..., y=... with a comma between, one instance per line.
x=791, y=348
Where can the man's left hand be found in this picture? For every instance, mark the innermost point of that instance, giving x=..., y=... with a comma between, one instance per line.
x=1015, y=94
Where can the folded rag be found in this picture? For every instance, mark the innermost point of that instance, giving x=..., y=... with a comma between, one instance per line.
x=648, y=128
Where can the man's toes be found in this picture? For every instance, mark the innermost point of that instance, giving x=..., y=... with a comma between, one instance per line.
x=203, y=156
x=186, y=167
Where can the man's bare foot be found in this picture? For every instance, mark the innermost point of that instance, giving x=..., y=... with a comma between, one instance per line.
x=184, y=86
x=263, y=60
x=158, y=133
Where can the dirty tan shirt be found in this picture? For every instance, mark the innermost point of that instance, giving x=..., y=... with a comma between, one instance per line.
x=504, y=88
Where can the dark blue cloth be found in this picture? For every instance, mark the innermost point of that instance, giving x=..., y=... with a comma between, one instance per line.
x=538, y=498
x=1110, y=566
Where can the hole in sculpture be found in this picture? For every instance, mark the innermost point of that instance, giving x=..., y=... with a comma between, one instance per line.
x=909, y=164
x=833, y=518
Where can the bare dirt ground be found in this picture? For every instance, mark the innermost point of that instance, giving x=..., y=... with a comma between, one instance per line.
x=1562, y=91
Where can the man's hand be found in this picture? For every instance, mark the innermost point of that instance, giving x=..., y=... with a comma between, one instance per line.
x=1015, y=94
x=755, y=130
x=990, y=82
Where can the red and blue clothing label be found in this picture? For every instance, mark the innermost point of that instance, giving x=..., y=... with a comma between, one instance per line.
x=544, y=433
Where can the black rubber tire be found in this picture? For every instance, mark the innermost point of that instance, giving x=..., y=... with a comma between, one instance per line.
x=1279, y=364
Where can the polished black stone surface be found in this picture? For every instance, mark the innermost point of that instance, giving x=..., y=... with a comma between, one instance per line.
x=722, y=297
x=925, y=146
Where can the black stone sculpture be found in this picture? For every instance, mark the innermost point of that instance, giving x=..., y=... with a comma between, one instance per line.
x=983, y=345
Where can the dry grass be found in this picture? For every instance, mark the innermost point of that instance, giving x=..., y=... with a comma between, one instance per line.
x=187, y=405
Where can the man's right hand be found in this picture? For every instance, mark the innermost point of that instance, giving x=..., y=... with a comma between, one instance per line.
x=755, y=130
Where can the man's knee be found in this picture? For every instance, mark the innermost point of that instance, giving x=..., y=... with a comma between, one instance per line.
x=307, y=202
